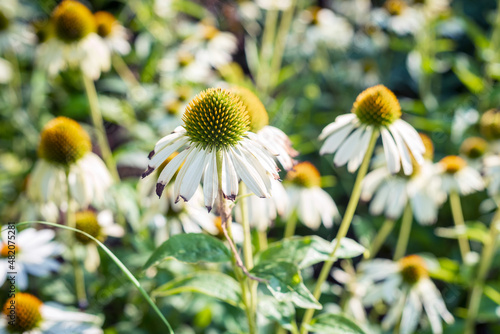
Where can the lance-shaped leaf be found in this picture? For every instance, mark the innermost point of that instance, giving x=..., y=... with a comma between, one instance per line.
x=191, y=248
x=214, y=284
x=285, y=283
x=309, y=250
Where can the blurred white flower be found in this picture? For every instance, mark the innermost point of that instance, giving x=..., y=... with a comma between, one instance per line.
x=398, y=17
x=312, y=204
x=181, y=66
x=406, y=287
x=41, y=318
x=75, y=43
x=112, y=32
x=457, y=176
x=31, y=252
x=492, y=174
x=263, y=211
x=14, y=34
x=99, y=225
x=375, y=109
x=5, y=71
x=65, y=147
x=328, y=29
x=274, y=4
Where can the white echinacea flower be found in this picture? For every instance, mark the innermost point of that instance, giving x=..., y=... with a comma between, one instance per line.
x=375, y=109
x=406, y=287
x=33, y=253
x=112, y=32
x=390, y=193
x=65, y=147
x=457, y=176
x=99, y=225
x=492, y=174
x=312, y=204
x=216, y=138
x=75, y=43
x=32, y=316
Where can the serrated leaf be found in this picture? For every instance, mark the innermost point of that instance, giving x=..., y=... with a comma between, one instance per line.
x=191, y=248
x=309, y=250
x=331, y=323
x=285, y=283
x=214, y=284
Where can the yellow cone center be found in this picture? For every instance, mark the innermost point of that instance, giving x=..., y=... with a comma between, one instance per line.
x=413, y=268
x=377, y=106
x=395, y=7
x=104, y=22
x=22, y=312
x=304, y=174
x=86, y=221
x=72, y=21
x=429, y=147
x=490, y=124
x=216, y=119
x=453, y=164
x=9, y=250
x=63, y=141
x=256, y=110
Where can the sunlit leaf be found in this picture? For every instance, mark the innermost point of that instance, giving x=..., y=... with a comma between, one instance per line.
x=331, y=323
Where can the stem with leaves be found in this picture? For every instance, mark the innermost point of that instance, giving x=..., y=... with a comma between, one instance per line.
x=344, y=227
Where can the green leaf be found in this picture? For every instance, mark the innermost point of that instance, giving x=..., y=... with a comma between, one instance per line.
x=476, y=231
x=191, y=248
x=309, y=250
x=334, y=324
x=214, y=284
x=285, y=283
x=467, y=74
x=281, y=312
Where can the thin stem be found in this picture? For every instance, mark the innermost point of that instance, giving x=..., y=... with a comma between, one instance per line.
x=247, y=246
x=124, y=72
x=458, y=219
x=97, y=121
x=120, y=264
x=404, y=233
x=291, y=223
x=262, y=235
x=344, y=227
x=281, y=38
x=484, y=266
x=81, y=294
x=266, y=49
x=225, y=215
x=381, y=236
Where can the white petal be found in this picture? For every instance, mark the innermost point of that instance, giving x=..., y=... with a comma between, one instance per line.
x=210, y=180
x=347, y=150
x=229, y=176
x=249, y=174
x=360, y=151
x=165, y=152
x=190, y=174
x=169, y=171
x=340, y=121
x=333, y=142
x=403, y=151
x=390, y=151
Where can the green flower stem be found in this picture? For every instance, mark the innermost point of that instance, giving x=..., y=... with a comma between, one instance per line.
x=458, y=219
x=266, y=50
x=404, y=233
x=225, y=215
x=381, y=236
x=291, y=223
x=81, y=295
x=123, y=71
x=97, y=120
x=484, y=266
x=344, y=227
x=120, y=264
x=262, y=236
x=247, y=246
x=286, y=21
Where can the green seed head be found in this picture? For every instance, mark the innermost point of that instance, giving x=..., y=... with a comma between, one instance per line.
x=63, y=141
x=72, y=21
x=256, y=110
x=216, y=119
x=377, y=106
x=27, y=312
x=86, y=221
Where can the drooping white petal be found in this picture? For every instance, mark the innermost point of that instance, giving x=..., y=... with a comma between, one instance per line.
x=390, y=151
x=190, y=175
x=339, y=122
x=229, y=177
x=210, y=180
x=249, y=174
x=169, y=171
x=347, y=150
x=333, y=142
x=360, y=151
x=166, y=151
x=403, y=151
x=411, y=313
x=178, y=132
